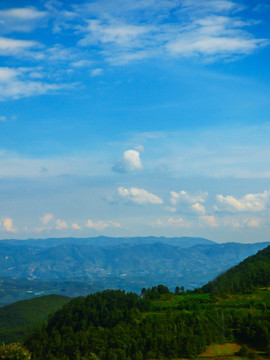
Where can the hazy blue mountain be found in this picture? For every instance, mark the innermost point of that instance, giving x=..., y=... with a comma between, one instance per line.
x=103, y=241
x=144, y=259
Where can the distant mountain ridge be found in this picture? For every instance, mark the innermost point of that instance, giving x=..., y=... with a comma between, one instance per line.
x=104, y=241
x=135, y=262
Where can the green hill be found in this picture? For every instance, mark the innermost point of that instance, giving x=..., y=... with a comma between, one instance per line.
x=20, y=318
x=114, y=325
x=252, y=273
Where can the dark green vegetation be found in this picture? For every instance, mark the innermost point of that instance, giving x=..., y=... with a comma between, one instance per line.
x=119, y=326
x=14, y=351
x=56, y=265
x=250, y=274
x=20, y=318
x=114, y=325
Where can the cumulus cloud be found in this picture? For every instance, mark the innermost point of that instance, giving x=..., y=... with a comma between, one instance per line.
x=101, y=225
x=190, y=201
x=61, y=224
x=243, y=222
x=187, y=198
x=198, y=208
x=46, y=218
x=209, y=220
x=172, y=222
x=248, y=203
x=139, y=196
x=130, y=161
x=75, y=226
x=8, y=225
x=254, y=223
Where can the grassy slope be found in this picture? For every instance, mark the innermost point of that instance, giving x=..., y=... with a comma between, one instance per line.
x=18, y=319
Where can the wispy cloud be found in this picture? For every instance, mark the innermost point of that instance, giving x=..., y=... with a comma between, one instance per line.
x=21, y=19
x=16, y=83
x=96, y=72
x=16, y=47
x=209, y=30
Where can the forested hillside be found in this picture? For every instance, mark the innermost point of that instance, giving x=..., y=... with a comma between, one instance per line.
x=18, y=319
x=114, y=325
x=250, y=274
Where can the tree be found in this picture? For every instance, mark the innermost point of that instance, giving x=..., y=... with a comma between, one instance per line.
x=177, y=290
x=14, y=351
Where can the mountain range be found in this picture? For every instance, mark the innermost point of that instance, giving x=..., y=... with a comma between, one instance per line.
x=104, y=262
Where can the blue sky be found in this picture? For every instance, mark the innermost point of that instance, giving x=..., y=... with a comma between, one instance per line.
x=135, y=118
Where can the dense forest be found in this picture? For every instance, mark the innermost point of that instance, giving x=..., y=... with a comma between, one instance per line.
x=250, y=274
x=115, y=325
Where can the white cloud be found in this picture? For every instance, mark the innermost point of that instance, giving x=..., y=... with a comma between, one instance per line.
x=96, y=72
x=209, y=220
x=81, y=63
x=8, y=225
x=172, y=222
x=208, y=30
x=75, y=226
x=101, y=225
x=15, y=47
x=140, y=148
x=139, y=196
x=248, y=203
x=130, y=161
x=121, y=34
x=17, y=83
x=187, y=198
x=3, y=118
x=29, y=13
x=21, y=19
x=243, y=222
x=61, y=224
x=210, y=6
x=198, y=208
x=46, y=218
x=254, y=223
x=177, y=222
